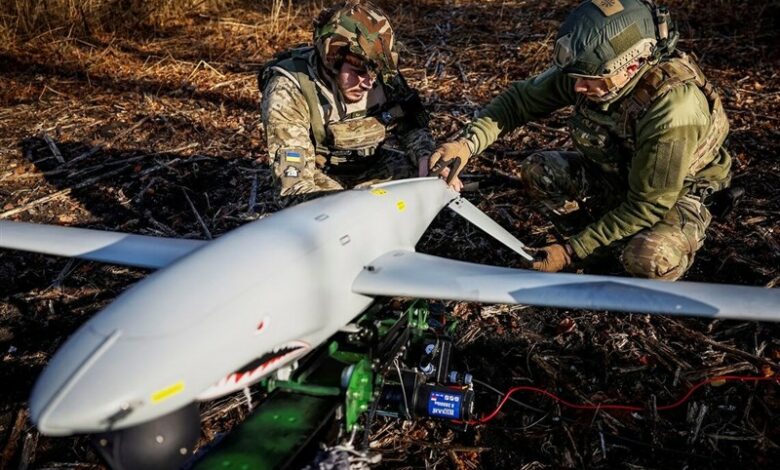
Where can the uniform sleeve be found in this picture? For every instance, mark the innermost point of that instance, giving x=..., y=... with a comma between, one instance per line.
x=287, y=132
x=412, y=128
x=667, y=137
x=523, y=101
x=418, y=144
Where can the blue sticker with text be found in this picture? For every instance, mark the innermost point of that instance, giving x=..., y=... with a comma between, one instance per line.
x=444, y=405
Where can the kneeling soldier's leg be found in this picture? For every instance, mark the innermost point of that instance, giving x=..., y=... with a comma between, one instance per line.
x=555, y=179
x=666, y=250
x=560, y=183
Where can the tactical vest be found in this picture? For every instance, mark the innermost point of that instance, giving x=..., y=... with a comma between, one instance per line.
x=356, y=136
x=609, y=139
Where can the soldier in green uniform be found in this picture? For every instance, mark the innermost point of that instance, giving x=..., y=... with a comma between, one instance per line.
x=330, y=109
x=648, y=131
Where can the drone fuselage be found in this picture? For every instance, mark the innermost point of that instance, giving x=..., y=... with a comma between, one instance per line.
x=230, y=312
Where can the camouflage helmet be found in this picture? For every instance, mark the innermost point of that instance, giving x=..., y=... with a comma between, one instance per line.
x=358, y=29
x=602, y=37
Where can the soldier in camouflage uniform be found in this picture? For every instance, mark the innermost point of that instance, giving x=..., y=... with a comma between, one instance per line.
x=330, y=109
x=648, y=130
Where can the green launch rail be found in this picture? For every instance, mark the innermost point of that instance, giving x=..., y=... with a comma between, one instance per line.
x=326, y=395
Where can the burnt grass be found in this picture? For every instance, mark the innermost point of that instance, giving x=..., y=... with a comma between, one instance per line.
x=148, y=129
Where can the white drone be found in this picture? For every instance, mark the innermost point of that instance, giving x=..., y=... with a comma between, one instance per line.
x=220, y=315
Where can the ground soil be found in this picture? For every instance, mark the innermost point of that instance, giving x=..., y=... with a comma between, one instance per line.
x=156, y=130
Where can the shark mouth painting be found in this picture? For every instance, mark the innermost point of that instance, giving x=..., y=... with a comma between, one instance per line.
x=256, y=370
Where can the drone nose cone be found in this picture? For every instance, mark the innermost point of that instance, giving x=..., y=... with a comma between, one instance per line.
x=54, y=407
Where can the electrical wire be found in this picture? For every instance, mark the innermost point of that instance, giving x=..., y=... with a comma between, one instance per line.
x=403, y=388
x=633, y=408
x=502, y=394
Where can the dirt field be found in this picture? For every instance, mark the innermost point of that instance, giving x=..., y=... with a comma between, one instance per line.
x=146, y=127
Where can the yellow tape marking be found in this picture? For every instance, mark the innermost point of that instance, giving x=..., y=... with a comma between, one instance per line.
x=167, y=392
x=378, y=192
x=401, y=205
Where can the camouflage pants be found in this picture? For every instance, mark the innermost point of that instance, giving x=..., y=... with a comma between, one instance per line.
x=566, y=184
x=387, y=165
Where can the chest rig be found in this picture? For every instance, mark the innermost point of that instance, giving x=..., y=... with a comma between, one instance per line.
x=352, y=138
x=609, y=137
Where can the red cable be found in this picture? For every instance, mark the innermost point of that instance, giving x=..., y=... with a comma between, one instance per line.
x=578, y=406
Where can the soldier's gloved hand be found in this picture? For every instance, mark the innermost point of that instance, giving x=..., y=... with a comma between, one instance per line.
x=449, y=159
x=553, y=258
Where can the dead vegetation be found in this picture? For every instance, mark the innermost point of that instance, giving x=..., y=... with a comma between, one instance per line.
x=142, y=116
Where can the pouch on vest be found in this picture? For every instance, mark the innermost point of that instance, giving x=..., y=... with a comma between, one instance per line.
x=361, y=136
x=595, y=142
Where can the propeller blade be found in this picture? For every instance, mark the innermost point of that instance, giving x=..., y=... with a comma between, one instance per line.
x=473, y=214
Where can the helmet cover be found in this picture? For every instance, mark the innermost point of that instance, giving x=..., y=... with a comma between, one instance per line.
x=602, y=37
x=355, y=29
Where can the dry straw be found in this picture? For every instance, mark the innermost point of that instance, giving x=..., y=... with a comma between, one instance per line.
x=30, y=17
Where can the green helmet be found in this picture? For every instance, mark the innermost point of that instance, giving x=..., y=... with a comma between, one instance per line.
x=358, y=29
x=602, y=37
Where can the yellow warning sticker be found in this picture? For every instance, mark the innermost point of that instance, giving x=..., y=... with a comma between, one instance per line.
x=378, y=192
x=167, y=392
x=401, y=205
x=608, y=7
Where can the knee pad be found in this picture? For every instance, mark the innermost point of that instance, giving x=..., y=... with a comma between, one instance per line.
x=659, y=253
x=546, y=176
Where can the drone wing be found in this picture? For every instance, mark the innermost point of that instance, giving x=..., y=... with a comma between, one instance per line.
x=95, y=245
x=408, y=274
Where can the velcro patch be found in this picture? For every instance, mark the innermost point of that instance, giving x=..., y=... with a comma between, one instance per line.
x=291, y=172
x=668, y=164
x=608, y=7
x=623, y=41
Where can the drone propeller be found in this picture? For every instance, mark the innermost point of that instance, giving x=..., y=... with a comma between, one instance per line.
x=470, y=212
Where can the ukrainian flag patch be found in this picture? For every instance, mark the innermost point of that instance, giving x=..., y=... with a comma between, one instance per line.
x=291, y=156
